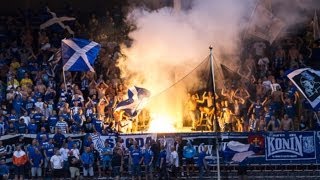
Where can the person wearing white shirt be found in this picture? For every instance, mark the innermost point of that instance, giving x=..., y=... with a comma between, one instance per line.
x=26, y=118
x=64, y=151
x=174, y=162
x=57, y=165
x=75, y=151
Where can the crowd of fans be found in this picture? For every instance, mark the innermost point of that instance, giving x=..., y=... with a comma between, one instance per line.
x=35, y=100
x=258, y=96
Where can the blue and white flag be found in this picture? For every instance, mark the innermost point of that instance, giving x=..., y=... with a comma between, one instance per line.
x=236, y=151
x=137, y=100
x=57, y=20
x=307, y=80
x=79, y=54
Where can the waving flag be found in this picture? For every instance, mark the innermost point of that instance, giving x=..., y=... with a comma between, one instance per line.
x=307, y=81
x=137, y=100
x=79, y=54
x=264, y=24
x=57, y=20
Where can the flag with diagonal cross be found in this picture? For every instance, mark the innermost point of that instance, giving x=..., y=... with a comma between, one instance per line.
x=79, y=54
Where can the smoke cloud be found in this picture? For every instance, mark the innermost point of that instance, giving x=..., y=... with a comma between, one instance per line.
x=167, y=44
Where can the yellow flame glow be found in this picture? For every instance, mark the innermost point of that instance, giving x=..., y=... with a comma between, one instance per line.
x=161, y=124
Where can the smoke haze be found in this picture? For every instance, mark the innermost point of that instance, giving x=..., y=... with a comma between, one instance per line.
x=168, y=44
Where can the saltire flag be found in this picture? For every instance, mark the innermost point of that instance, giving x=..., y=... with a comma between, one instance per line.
x=57, y=20
x=137, y=100
x=236, y=151
x=264, y=24
x=79, y=54
x=307, y=80
x=316, y=32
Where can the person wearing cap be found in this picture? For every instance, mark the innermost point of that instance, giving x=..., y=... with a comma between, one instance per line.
x=4, y=170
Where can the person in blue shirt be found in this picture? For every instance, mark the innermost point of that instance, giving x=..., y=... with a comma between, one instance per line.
x=98, y=124
x=17, y=104
x=70, y=142
x=106, y=157
x=58, y=139
x=201, y=162
x=148, y=156
x=38, y=116
x=87, y=160
x=29, y=105
x=36, y=162
x=32, y=127
x=41, y=134
x=31, y=149
x=22, y=127
x=52, y=120
x=4, y=169
x=48, y=153
x=137, y=159
x=163, y=163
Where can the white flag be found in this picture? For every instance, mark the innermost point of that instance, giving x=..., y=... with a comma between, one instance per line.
x=264, y=24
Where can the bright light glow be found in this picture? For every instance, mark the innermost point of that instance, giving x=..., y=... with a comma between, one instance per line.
x=161, y=124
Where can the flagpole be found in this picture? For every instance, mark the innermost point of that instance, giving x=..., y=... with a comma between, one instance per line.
x=215, y=109
x=64, y=80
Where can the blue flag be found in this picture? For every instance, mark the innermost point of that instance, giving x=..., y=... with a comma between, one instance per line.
x=79, y=54
x=137, y=100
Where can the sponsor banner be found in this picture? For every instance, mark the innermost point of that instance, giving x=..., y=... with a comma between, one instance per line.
x=290, y=146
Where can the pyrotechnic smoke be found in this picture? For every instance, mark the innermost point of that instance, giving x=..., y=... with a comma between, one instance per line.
x=168, y=44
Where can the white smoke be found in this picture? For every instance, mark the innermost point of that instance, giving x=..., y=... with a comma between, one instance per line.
x=167, y=44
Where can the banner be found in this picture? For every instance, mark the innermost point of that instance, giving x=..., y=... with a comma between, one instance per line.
x=307, y=81
x=290, y=146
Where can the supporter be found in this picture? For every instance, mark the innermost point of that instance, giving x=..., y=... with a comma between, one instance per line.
x=22, y=127
x=274, y=124
x=174, y=163
x=48, y=151
x=36, y=162
x=137, y=159
x=11, y=130
x=87, y=160
x=304, y=125
x=96, y=159
x=106, y=157
x=163, y=163
x=64, y=152
x=286, y=123
x=61, y=126
x=117, y=162
x=74, y=164
x=58, y=139
x=32, y=127
x=2, y=127
x=57, y=165
x=148, y=158
x=3, y=151
x=202, y=162
x=19, y=160
x=4, y=169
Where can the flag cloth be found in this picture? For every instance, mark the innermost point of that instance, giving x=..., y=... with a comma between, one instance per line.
x=79, y=54
x=57, y=20
x=264, y=24
x=137, y=100
x=316, y=32
x=236, y=151
x=307, y=80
